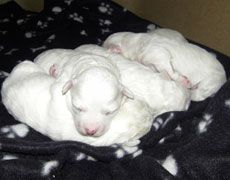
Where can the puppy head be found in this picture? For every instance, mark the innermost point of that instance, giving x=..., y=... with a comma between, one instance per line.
x=96, y=97
x=115, y=42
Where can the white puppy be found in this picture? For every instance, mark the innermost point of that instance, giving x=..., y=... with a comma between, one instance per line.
x=34, y=97
x=95, y=90
x=160, y=94
x=167, y=51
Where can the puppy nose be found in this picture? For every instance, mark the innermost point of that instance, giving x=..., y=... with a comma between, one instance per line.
x=90, y=131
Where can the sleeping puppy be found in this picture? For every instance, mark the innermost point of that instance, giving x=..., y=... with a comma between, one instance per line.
x=167, y=51
x=161, y=95
x=34, y=97
x=93, y=85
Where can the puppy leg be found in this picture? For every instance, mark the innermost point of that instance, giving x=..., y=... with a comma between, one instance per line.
x=160, y=59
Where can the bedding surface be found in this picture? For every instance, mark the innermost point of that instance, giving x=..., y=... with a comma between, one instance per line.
x=194, y=144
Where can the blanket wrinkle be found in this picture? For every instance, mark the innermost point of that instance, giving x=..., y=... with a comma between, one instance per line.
x=192, y=144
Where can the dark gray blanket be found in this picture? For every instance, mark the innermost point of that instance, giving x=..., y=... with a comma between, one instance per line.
x=191, y=145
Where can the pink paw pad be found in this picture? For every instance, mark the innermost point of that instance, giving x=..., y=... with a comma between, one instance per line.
x=115, y=50
x=186, y=82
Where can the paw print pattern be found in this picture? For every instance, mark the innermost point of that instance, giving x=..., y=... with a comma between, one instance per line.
x=76, y=17
x=30, y=34
x=38, y=48
x=42, y=25
x=22, y=21
x=48, y=167
x=68, y=2
x=126, y=149
x=104, y=31
x=51, y=38
x=8, y=157
x=57, y=10
x=105, y=22
x=204, y=123
x=18, y=130
x=105, y=8
x=161, y=123
x=82, y=156
x=83, y=33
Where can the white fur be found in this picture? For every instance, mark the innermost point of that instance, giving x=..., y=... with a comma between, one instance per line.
x=160, y=94
x=34, y=97
x=170, y=52
x=96, y=93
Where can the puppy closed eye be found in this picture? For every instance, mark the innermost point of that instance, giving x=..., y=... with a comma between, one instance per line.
x=78, y=109
x=107, y=113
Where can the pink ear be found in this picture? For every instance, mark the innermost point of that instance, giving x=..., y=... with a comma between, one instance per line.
x=67, y=86
x=127, y=93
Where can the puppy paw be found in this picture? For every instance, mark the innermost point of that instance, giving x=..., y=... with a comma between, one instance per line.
x=182, y=79
x=115, y=49
x=194, y=87
x=185, y=81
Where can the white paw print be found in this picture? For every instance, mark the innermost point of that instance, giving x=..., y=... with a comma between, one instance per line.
x=38, y=48
x=82, y=156
x=105, y=8
x=204, y=123
x=22, y=21
x=76, y=17
x=83, y=33
x=30, y=34
x=57, y=10
x=42, y=25
x=104, y=22
x=68, y=2
x=51, y=38
x=18, y=130
x=104, y=31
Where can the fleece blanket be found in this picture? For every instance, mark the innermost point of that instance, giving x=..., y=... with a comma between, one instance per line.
x=190, y=145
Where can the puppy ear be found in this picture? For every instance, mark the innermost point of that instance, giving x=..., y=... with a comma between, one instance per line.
x=125, y=91
x=67, y=86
